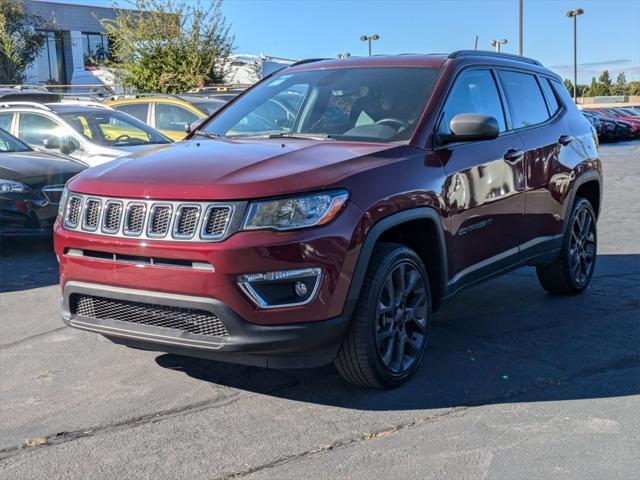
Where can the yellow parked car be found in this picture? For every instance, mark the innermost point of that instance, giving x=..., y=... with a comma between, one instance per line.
x=170, y=114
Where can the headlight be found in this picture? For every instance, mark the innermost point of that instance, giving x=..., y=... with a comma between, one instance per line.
x=11, y=186
x=295, y=212
x=63, y=202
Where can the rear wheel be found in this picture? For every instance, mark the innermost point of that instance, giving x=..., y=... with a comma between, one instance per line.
x=389, y=331
x=572, y=271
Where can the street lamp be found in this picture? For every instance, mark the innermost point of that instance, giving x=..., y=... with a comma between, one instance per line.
x=574, y=14
x=498, y=43
x=343, y=55
x=369, y=38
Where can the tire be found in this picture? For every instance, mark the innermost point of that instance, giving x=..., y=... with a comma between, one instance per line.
x=389, y=332
x=572, y=271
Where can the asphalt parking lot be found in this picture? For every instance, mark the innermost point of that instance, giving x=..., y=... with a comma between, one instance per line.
x=516, y=384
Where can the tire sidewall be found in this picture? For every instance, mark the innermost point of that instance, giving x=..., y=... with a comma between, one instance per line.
x=385, y=376
x=580, y=204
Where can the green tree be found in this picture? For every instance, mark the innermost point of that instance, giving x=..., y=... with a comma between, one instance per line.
x=169, y=46
x=568, y=85
x=620, y=87
x=20, y=41
x=634, y=88
x=605, y=83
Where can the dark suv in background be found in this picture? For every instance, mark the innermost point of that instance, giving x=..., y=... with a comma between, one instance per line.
x=330, y=228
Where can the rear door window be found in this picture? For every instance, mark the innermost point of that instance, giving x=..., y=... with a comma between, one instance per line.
x=136, y=110
x=5, y=121
x=474, y=91
x=524, y=98
x=173, y=118
x=34, y=128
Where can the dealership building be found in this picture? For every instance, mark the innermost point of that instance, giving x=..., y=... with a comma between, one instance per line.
x=74, y=39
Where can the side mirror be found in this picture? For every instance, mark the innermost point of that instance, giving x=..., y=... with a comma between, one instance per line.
x=51, y=143
x=190, y=127
x=470, y=127
x=68, y=146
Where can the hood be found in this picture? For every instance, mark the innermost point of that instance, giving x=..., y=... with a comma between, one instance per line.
x=233, y=170
x=38, y=168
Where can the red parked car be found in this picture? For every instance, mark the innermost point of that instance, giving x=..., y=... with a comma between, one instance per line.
x=325, y=214
x=613, y=113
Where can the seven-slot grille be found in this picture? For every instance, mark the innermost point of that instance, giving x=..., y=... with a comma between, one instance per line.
x=196, y=322
x=148, y=219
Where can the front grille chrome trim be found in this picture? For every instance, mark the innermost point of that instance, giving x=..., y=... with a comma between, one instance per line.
x=151, y=230
x=179, y=213
x=136, y=218
x=105, y=217
x=89, y=225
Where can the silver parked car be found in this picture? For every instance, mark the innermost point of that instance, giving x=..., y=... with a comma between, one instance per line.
x=90, y=132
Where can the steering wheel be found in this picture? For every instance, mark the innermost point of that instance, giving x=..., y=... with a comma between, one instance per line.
x=121, y=137
x=396, y=121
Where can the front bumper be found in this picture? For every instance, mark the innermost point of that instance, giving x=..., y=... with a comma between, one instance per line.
x=27, y=217
x=278, y=346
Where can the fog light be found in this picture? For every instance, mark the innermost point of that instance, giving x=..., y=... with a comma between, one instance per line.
x=286, y=288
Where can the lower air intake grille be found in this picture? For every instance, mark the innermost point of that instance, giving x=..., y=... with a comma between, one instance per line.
x=196, y=322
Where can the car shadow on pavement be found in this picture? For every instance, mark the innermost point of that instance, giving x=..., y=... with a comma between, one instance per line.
x=27, y=263
x=505, y=341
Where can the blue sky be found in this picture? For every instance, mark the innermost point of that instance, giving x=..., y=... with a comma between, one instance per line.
x=608, y=32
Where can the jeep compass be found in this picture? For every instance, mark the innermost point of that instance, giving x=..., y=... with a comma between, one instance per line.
x=324, y=214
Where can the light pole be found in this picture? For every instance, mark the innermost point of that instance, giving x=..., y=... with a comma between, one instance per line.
x=520, y=26
x=574, y=14
x=369, y=38
x=343, y=55
x=498, y=43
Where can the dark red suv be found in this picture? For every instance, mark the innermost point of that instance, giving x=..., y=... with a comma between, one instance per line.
x=325, y=214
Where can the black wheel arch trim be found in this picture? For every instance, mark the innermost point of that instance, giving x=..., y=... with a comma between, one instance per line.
x=586, y=177
x=371, y=239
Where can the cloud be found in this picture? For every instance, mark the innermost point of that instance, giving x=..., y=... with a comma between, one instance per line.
x=587, y=70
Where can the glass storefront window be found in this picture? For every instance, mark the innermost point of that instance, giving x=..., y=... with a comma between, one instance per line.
x=50, y=62
x=95, y=48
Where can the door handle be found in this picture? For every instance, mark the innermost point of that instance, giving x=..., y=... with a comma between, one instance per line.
x=513, y=155
x=565, y=140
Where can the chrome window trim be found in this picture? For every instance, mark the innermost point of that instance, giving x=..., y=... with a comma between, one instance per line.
x=234, y=218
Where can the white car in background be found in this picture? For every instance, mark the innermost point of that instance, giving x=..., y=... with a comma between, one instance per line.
x=88, y=131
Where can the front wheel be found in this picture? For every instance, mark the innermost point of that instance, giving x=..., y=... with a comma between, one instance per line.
x=390, y=327
x=572, y=271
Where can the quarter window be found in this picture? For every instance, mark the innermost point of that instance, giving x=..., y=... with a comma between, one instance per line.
x=173, y=118
x=552, y=101
x=524, y=98
x=475, y=91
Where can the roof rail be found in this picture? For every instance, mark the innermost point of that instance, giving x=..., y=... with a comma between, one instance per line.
x=24, y=104
x=307, y=60
x=487, y=53
x=125, y=96
x=84, y=103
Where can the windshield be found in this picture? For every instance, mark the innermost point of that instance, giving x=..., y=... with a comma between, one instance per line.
x=210, y=106
x=356, y=104
x=9, y=143
x=111, y=128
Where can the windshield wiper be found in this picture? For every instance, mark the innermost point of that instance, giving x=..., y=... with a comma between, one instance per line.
x=202, y=133
x=304, y=136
